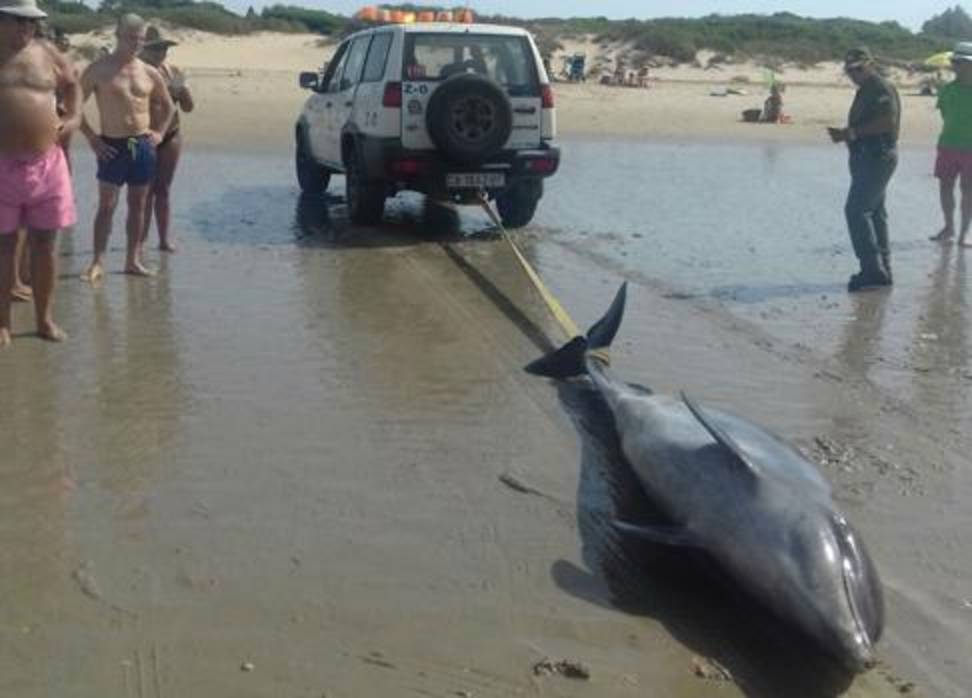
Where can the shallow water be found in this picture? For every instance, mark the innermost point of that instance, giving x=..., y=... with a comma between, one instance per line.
x=290, y=392
x=760, y=228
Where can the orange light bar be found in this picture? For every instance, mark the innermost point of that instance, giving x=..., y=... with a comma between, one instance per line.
x=374, y=14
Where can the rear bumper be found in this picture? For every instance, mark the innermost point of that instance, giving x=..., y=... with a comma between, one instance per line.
x=426, y=171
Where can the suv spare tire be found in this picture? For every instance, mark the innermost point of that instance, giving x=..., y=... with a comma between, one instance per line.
x=469, y=118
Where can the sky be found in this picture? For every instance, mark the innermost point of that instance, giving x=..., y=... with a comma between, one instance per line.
x=910, y=13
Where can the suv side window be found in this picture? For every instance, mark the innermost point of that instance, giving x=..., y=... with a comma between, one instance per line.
x=332, y=75
x=377, y=57
x=355, y=64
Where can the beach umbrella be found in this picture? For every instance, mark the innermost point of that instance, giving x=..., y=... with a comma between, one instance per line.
x=939, y=60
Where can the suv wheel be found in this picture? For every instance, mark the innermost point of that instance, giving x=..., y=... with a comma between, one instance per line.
x=518, y=204
x=469, y=118
x=312, y=178
x=366, y=200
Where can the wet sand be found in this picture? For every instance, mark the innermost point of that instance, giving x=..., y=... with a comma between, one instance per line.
x=293, y=463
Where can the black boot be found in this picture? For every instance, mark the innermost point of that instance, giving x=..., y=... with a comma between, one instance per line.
x=886, y=261
x=871, y=277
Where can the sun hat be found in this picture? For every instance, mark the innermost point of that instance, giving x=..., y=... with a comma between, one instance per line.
x=858, y=57
x=154, y=38
x=22, y=8
x=962, y=52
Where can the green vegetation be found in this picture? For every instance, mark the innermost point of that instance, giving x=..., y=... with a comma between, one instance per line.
x=75, y=17
x=311, y=20
x=779, y=37
x=782, y=36
x=951, y=24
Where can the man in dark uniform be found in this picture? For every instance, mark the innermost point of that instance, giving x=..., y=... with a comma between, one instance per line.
x=871, y=136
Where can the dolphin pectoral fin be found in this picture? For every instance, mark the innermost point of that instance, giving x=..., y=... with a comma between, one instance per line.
x=722, y=437
x=666, y=535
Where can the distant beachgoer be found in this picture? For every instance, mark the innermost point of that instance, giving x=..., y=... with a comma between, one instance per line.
x=773, y=106
x=954, y=161
x=871, y=136
x=155, y=53
x=35, y=185
x=135, y=110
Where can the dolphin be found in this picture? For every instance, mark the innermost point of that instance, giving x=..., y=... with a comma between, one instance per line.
x=750, y=500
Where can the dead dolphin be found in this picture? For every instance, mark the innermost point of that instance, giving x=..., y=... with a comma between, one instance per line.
x=751, y=501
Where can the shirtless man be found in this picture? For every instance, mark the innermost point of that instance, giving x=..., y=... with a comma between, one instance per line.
x=35, y=186
x=135, y=110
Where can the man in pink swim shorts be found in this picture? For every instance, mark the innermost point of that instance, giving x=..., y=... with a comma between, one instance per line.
x=35, y=186
x=954, y=161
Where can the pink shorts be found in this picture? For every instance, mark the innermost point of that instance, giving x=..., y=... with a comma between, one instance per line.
x=951, y=162
x=35, y=192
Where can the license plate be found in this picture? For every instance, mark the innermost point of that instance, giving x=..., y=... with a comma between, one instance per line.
x=475, y=180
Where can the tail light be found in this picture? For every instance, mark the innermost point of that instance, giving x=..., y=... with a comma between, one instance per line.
x=409, y=167
x=547, y=96
x=541, y=165
x=393, y=95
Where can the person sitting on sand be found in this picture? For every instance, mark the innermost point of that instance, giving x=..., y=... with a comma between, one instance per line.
x=155, y=53
x=35, y=185
x=773, y=106
x=135, y=110
x=954, y=161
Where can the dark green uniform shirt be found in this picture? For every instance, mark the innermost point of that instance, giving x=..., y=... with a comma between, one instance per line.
x=875, y=98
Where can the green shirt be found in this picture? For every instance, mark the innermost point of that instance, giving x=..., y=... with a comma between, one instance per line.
x=955, y=104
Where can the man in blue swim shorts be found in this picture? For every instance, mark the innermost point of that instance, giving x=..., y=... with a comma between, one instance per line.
x=134, y=108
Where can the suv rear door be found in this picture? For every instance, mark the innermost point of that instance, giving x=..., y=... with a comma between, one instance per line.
x=508, y=59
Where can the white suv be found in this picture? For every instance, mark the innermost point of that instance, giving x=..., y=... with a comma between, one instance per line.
x=451, y=110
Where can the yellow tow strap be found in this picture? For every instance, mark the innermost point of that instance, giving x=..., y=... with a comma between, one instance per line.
x=560, y=315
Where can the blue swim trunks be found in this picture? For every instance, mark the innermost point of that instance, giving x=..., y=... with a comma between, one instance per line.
x=133, y=164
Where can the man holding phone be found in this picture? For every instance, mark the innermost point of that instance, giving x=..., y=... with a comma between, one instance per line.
x=871, y=136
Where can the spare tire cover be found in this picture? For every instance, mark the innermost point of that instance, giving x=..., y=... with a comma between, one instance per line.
x=469, y=118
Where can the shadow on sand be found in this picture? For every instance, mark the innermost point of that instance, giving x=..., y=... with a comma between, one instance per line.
x=253, y=216
x=685, y=591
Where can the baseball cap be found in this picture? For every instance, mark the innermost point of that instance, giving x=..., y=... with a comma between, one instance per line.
x=858, y=57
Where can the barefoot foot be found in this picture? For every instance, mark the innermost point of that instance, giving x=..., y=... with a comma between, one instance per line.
x=4, y=337
x=138, y=269
x=94, y=274
x=21, y=294
x=964, y=243
x=167, y=246
x=51, y=332
x=943, y=235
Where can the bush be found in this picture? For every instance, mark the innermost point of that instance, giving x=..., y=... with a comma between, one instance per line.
x=314, y=20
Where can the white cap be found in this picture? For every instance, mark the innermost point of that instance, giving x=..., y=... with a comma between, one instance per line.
x=22, y=8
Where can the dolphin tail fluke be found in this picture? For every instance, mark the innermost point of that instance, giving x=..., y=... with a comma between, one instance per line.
x=603, y=331
x=568, y=361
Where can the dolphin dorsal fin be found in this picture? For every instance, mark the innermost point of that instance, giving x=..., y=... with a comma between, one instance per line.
x=722, y=437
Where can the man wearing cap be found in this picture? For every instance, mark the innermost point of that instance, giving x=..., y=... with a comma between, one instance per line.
x=954, y=161
x=35, y=185
x=155, y=52
x=134, y=109
x=871, y=136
